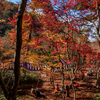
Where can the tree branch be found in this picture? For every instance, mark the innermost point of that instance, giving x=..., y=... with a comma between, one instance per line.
x=3, y=86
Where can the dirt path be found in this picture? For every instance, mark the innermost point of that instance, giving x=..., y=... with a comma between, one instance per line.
x=86, y=90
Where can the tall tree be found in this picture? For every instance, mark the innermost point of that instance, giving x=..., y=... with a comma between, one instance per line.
x=11, y=95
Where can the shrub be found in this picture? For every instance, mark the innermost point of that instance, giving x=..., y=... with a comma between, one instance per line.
x=28, y=78
x=2, y=97
x=24, y=78
x=98, y=98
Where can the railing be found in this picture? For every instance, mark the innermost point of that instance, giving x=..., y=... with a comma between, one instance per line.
x=29, y=66
x=10, y=66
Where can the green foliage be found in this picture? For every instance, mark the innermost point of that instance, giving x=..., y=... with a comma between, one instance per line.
x=17, y=97
x=7, y=31
x=97, y=95
x=49, y=52
x=28, y=78
x=44, y=59
x=98, y=98
x=84, y=93
x=24, y=78
x=2, y=97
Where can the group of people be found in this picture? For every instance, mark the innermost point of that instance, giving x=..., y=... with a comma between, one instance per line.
x=36, y=93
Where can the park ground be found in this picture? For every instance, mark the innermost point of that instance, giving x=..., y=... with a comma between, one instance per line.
x=86, y=91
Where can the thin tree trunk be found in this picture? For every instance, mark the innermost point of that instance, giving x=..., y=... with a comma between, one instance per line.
x=74, y=94
x=73, y=86
x=67, y=88
x=4, y=87
x=62, y=78
x=97, y=74
x=63, y=84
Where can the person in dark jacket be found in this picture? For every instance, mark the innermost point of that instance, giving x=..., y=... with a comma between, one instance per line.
x=36, y=93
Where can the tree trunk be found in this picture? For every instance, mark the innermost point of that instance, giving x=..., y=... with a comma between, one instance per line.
x=11, y=95
x=67, y=93
x=97, y=75
x=4, y=87
x=63, y=82
x=83, y=76
x=18, y=47
x=74, y=94
x=98, y=20
x=52, y=81
x=62, y=72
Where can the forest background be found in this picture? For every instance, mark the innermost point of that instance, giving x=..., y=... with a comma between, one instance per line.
x=54, y=34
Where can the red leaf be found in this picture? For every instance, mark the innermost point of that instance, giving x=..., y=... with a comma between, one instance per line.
x=55, y=1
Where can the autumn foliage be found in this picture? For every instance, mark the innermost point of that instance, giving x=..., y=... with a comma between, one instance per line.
x=54, y=37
